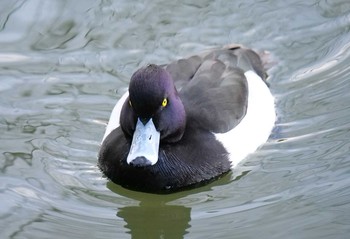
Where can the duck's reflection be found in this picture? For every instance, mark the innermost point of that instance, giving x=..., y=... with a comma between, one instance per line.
x=151, y=221
x=157, y=216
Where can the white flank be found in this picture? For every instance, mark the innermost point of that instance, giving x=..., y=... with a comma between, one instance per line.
x=256, y=126
x=114, y=119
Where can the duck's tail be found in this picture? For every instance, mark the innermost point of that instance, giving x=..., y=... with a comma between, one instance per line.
x=259, y=61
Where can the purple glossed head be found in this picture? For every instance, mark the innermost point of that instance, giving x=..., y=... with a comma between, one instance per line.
x=152, y=95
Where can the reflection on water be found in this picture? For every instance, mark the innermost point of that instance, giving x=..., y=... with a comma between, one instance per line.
x=168, y=221
x=156, y=216
x=64, y=64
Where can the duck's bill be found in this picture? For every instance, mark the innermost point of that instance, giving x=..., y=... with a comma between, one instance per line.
x=145, y=145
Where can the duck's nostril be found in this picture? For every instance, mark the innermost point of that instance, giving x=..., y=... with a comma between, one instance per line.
x=140, y=162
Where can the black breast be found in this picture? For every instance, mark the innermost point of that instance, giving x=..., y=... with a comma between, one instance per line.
x=196, y=159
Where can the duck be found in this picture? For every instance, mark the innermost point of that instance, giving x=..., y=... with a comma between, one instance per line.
x=184, y=124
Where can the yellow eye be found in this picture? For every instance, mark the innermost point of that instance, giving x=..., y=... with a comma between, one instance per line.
x=165, y=102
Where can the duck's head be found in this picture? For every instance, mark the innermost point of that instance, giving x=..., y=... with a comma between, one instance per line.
x=152, y=114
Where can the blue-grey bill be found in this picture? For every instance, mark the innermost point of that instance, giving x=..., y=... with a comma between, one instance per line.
x=145, y=142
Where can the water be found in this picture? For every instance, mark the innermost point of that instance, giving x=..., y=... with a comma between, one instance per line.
x=64, y=64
